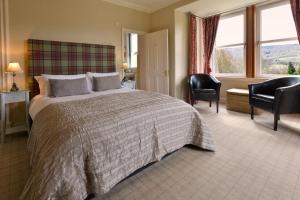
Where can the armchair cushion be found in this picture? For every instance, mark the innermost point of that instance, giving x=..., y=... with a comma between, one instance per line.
x=265, y=102
x=264, y=97
x=204, y=91
x=204, y=94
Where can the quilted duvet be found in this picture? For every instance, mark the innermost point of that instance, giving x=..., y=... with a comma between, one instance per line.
x=88, y=146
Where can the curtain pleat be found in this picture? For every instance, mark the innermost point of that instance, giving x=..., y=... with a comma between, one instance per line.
x=210, y=27
x=192, y=61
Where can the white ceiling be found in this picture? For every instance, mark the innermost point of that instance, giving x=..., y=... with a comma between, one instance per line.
x=204, y=8
x=148, y=6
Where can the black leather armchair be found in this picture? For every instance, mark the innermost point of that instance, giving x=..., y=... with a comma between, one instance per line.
x=279, y=96
x=204, y=87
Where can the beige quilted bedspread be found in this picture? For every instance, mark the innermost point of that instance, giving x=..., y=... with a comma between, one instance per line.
x=88, y=146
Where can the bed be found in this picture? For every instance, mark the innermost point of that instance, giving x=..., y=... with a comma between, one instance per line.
x=86, y=144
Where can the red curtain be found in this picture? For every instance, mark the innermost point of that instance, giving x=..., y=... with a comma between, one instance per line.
x=192, y=69
x=295, y=5
x=210, y=27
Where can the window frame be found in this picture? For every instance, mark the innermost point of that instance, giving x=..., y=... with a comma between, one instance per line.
x=130, y=52
x=224, y=16
x=259, y=43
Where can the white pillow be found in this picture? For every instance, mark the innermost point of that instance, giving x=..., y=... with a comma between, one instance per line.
x=90, y=76
x=44, y=85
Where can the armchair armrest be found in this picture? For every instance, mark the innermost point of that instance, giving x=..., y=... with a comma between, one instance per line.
x=289, y=89
x=189, y=80
x=215, y=83
x=287, y=99
x=254, y=88
x=267, y=87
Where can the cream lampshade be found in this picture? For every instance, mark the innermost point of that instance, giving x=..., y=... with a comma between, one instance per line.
x=125, y=65
x=14, y=68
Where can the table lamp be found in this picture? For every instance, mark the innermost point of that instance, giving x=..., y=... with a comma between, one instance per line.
x=123, y=68
x=14, y=68
x=124, y=65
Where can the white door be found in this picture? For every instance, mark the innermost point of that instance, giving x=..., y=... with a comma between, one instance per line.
x=154, y=62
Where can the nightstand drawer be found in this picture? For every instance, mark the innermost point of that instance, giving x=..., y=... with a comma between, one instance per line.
x=14, y=97
x=128, y=84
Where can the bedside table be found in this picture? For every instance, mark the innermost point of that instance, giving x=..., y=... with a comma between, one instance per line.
x=7, y=97
x=128, y=84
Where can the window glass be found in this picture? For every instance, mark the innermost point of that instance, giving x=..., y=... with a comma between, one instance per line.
x=229, y=60
x=133, y=48
x=230, y=31
x=277, y=56
x=229, y=53
x=277, y=23
x=279, y=50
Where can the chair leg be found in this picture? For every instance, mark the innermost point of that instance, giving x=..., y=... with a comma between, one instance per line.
x=210, y=103
x=276, y=117
x=252, y=112
x=217, y=104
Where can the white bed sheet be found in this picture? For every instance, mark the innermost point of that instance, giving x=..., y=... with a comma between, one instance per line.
x=40, y=101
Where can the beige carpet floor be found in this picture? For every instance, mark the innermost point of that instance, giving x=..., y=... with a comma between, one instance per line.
x=251, y=162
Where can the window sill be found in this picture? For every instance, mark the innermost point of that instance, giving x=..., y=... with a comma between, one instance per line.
x=240, y=78
x=271, y=76
x=262, y=77
x=229, y=75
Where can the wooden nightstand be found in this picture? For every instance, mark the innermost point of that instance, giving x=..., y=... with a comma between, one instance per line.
x=7, y=97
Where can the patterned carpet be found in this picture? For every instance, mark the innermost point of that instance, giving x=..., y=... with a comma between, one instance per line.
x=251, y=162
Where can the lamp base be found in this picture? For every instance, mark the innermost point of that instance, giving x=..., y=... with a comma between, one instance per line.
x=14, y=87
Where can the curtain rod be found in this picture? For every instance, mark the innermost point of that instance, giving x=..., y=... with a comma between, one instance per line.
x=239, y=8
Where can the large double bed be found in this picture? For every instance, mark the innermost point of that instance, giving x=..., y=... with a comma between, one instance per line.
x=86, y=144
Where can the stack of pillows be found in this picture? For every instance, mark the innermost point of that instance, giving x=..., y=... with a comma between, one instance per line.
x=69, y=85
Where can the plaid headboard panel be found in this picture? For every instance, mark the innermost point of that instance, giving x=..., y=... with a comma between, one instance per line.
x=54, y=57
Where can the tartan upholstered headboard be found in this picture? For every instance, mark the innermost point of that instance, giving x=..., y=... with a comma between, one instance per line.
x=54, y=57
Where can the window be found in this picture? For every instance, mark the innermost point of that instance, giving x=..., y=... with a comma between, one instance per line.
x=133, y=50
x=229, y=51
x=278, y=51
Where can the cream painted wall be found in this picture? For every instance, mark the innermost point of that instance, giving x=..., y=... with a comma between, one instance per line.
x=175, y=18
x=92, y=21
x=204, y=8
x=181, y=54
x=4, y=36
x=165, y=19
x=96, y=21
